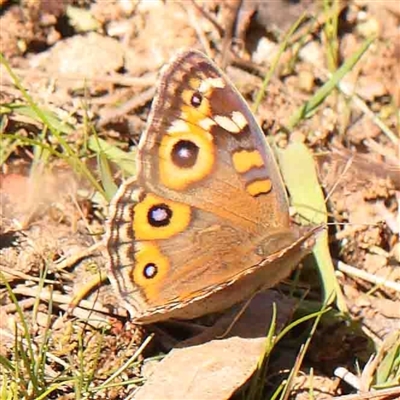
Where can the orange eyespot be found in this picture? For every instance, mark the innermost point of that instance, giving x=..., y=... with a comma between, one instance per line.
x=186, y=158
x=159, y=215
x=151, y=268
x=184, y=154
x=157, y=218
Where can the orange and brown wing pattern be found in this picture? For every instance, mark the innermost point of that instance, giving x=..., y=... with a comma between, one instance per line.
x=209, y=147
x=206, y=221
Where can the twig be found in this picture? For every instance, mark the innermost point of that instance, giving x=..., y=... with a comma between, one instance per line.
x=347, y=376
x=376, y=280
x=371, y=395
x=116, y=79
x=233, y=8
x=209, y=17
x=10, y=274
x=79, y=255
x=46, y=295
x=135, y=102
x=347, y=90
x=196, y=26
x=23, y=304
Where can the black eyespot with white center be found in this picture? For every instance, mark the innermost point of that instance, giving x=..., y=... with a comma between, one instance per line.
x=185, y=153
x=150, y=271
x=159, y=215
x=196, y=99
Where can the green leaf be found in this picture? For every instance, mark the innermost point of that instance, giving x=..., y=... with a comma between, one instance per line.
x=126, y=161
x=50, y=116
x=298, y=171
x=106, y=176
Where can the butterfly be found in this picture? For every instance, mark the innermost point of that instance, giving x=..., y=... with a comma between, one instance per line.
x=205, y=223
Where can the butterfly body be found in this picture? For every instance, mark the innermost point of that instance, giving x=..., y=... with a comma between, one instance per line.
x=205, y=223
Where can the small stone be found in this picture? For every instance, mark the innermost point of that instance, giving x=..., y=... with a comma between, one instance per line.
x=370, y=27
x=306, y=81
x=90, y=55
x=265, y=52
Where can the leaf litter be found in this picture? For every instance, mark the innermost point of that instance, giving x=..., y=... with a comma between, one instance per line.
x=354, y=138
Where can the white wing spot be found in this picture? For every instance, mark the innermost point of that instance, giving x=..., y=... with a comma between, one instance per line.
x=209, y=83
x=178, y=126
x=206, y=123
x=227, y=123
x=239, y=119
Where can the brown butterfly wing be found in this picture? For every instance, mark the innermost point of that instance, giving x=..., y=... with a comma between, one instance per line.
x=204, y=148
x=206, y=221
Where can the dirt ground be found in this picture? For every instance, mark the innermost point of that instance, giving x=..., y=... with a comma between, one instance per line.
x=91, y=67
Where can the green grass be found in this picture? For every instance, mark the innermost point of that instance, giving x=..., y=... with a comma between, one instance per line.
x=25, y=374
x=311, y=106
x=51, y=124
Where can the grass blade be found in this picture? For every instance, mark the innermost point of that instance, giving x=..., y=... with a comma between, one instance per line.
x=311, y=105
